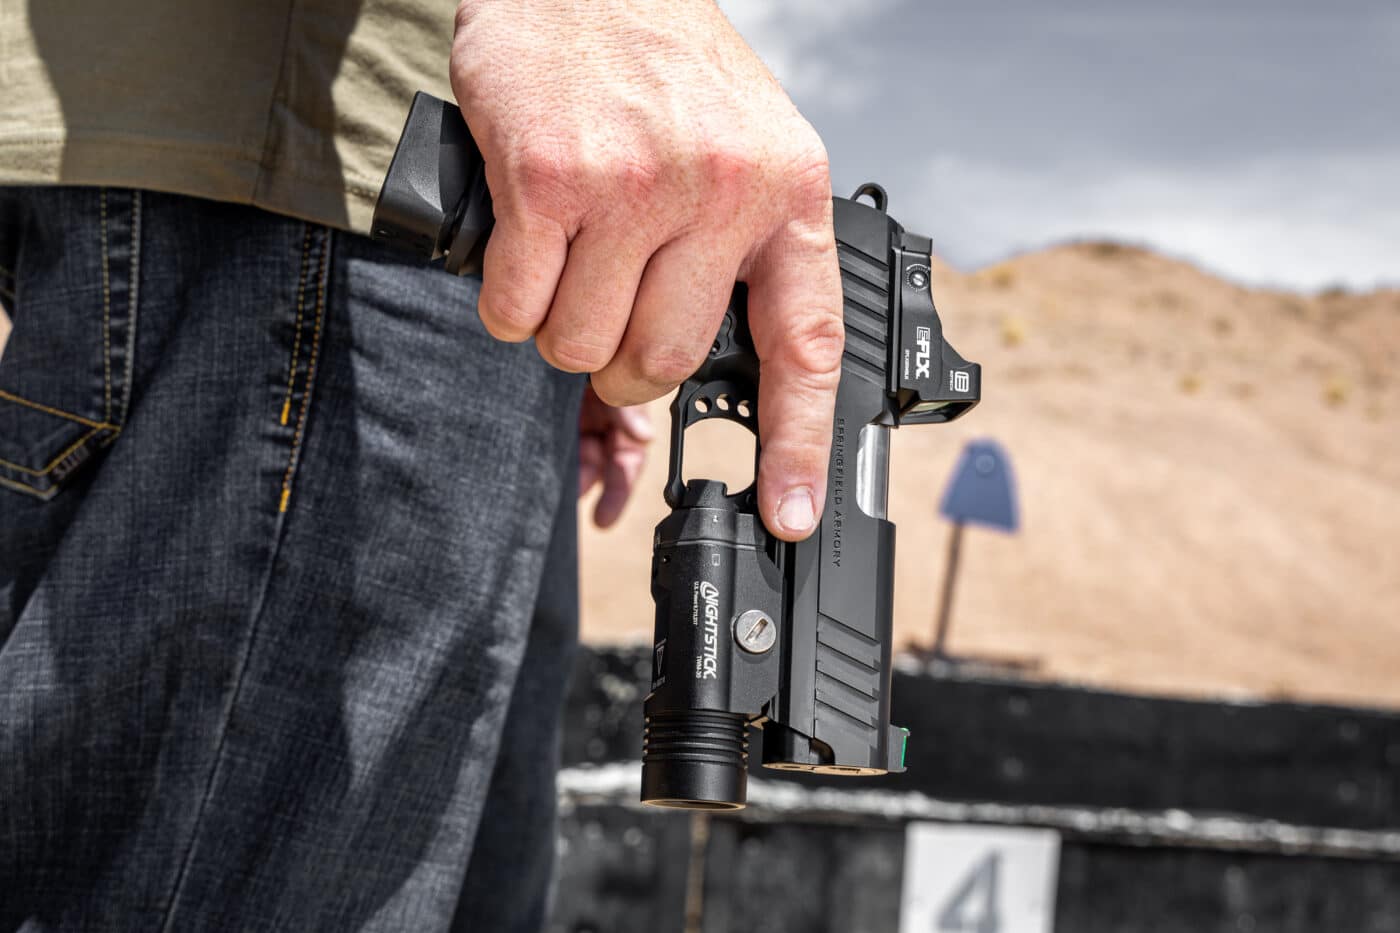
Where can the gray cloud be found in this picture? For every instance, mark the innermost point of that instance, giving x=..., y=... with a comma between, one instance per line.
x=1259, y=139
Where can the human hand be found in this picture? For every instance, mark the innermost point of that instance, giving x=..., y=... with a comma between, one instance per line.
x=612, y=446
x=641, y=159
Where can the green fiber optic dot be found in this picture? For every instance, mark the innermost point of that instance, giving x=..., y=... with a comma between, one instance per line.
x=904, y=749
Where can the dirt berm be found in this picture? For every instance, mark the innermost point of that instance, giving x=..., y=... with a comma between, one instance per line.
x=1209, y=480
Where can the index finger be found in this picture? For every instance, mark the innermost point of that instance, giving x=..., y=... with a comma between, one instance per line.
x=798, y=332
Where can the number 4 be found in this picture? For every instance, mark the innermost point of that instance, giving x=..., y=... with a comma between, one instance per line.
x=973, y=906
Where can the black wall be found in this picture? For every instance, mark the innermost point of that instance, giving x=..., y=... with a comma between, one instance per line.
x=1174, y=815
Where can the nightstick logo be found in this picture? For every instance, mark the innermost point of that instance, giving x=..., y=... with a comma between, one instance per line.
x=709, y=663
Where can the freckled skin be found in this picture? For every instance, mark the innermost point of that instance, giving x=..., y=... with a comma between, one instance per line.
x=642, y=159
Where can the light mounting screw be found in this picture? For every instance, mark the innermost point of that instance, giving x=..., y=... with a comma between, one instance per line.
x=755, y=632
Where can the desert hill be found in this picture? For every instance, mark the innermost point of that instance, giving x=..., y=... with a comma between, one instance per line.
x=1209, y=480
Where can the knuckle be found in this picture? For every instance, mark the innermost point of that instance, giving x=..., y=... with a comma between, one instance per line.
x=506, y=317
x=572, y=354
x=613, y=390
x=793, y=464
x=538, y=182
x=636, y=177
x=728, y=170
x=666, y=366
x=537, y=165
x=798, y=453
x=809, y=176
x=795, y=461
x=815, y=344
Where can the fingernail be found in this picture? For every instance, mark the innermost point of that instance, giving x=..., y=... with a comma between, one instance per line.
x=796, y=512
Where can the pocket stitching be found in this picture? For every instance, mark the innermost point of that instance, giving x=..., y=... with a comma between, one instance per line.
x=296, y=334
x=106, y=312
x=104, y=431
x=57, y=413
x=133, y=293
x=53, y=464
x=308, y=386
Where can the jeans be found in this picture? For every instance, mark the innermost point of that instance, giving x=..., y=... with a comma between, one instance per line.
x=288, y=586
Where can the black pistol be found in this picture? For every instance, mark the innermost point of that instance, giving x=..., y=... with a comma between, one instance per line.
x=750, y=630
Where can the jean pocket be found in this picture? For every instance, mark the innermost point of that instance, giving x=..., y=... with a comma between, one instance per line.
x=69, y=267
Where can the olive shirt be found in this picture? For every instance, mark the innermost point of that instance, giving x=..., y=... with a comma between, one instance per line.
x=290, y=105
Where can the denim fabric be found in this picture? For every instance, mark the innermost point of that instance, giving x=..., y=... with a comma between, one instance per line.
x=276, y=516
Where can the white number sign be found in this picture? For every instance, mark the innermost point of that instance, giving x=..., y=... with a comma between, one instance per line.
x=979, y=879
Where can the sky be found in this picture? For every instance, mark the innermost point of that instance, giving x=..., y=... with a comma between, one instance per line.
x=1257, y=138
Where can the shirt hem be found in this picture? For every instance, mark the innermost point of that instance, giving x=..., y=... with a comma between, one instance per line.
x=328, y=196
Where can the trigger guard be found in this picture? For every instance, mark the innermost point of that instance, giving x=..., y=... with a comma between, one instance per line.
x=731, y=369
x=687, y=414
x=711, y=392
